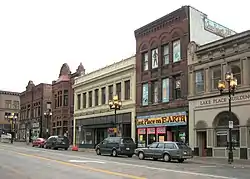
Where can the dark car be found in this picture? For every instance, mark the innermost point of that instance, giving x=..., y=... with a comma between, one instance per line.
x=165, y=150
x=56, y=142
x=116, y=146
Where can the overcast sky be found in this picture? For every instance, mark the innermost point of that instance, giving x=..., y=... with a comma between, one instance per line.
x=37, y=37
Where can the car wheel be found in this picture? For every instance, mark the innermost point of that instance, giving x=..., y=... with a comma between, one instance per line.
x=166, y=158
x=130, y=156
x=98, y=152
x=114, y=153
x=180, y=160
x=141, y=155
x=66, y=148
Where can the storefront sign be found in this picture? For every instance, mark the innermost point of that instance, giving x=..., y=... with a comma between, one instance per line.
x=151, y=130
x=169, y=119
x=224, y=99
x=161, y=130
x=142, y=131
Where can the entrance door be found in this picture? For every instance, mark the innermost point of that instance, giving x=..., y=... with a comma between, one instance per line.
x=202, y=143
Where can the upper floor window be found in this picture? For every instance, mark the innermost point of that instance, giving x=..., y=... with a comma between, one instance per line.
x=16, y=104
x=90, y=98
x=176, y=51
x=145, y=61
x=111, y=92
x=177, y=87
x=55, y=101
x=8, y=104
x=79, y=101
x=165, y=54
x=59, y=98
x=154, y=58
x=165, y=90
x=127, y=89
x=66, y=98
x=216, y=76
x=96, y=97
x=103, y=95
x=199, y=81
x=236, y=70
x=145, y=94
x=84, y=100
x=118, y=90
x=154, y=90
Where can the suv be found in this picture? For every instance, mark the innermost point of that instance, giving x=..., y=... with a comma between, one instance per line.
x=56, y=142
x=116, y=146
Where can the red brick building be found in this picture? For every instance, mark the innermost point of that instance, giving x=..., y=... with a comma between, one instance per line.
x=34, y=101
x=63, y=101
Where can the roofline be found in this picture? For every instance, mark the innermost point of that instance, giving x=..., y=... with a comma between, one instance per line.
x=10, y=93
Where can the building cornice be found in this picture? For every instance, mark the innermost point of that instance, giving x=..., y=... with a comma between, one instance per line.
x=10, y=93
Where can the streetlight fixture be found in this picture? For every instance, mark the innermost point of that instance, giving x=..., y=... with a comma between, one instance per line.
x=230, y=83
x=47, y=115
x=115, y=104
x=11, y=117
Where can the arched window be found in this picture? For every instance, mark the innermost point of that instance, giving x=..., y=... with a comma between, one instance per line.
x=221, y=124
x=235, y=69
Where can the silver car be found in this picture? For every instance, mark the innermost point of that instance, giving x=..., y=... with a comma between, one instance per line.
x=165, y=150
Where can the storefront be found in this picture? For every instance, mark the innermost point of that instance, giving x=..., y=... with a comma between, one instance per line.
x=161, y=127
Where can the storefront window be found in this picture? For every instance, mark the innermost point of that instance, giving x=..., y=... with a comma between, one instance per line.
x=222, y=137
x=142, y=137
x=151, y=135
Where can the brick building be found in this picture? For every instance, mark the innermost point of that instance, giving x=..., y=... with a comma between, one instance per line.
x=161, y=66
x=63, y=101
x=34, y=101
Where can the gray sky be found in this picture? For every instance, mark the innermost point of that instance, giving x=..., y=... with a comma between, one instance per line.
x=37, y=37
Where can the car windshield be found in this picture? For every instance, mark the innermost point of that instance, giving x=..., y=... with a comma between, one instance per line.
x=127, y=140
x=182, y=145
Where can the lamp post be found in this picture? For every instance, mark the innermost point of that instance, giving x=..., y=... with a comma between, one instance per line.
x=230, y=83
x=11, y=117
x=47, y=115
x=115, y=104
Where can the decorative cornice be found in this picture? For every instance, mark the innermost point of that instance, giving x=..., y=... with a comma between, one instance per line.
x=10, y=93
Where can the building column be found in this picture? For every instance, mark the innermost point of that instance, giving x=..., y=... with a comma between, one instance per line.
x=191, y=84
x=207, y=81
x=87, y=99
x=133, y=129
x=114, y=89
x=93, y=98
x=243, y=143
x=100, y=96
x=107, y=94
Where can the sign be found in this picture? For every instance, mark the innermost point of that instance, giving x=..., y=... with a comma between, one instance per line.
x=217, y=29
x=231, y=124
x=141, y=131
x=169, y=119
x=224, y=99
x=150, y=130
x=161, y=130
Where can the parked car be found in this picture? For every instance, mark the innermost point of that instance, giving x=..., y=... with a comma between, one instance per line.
x=56, y=142
x=38, y=142
x=116, y=146
x=165, y=150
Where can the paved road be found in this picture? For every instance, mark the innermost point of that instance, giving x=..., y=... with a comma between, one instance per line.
x=33, y=163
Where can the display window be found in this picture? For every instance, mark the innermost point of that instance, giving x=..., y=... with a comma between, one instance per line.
x=151, y=135
x=142, y=137
x=161, y=134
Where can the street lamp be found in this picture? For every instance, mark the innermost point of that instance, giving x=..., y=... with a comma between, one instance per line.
x=116, y=105
x=230, y=83
x=47, y=115
x=11, y=117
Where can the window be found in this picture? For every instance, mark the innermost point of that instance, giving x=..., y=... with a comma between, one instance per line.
x=176, y=51
x=127, y=89
x=84, y=100
x=79, y=101
x=199, y=81
x=16, y=104
x=235, y=69
x=170, y=146
x=55, y=100
x=96, y=97
x=145, y=61
x=8, y=104
x=66, y=98
x=154, y=58
x=216, y=76
x=160, y=145
x=59, y=98
x=177, y=87
x=90, y=98
x=165, y=54
x=118, y=90
x=154, y=92
x=165, y=90
x=103, y=95
x=154, y=145
x=145, y=94
x=111, y=92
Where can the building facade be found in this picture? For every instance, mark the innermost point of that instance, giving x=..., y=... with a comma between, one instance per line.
x=161, y=67
x=208, y=109
x=34, y=101
x=94, y=120
x=63, y=101
x=9, y=103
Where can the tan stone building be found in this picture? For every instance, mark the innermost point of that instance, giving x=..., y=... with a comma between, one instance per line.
x=208, y=110
x=93, y=118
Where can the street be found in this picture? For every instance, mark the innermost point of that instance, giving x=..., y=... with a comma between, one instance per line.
x=25, y=162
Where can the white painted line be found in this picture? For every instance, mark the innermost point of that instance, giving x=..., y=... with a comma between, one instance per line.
x=209, y=166
x=85, y=161
x=133, y=165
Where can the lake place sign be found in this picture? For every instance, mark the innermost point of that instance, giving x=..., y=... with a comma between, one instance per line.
x=224, y=99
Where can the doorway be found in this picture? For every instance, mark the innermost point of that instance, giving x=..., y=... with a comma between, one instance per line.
x=202, y=143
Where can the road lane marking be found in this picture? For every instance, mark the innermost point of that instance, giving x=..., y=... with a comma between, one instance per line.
x=133, y=165
x=86, y=161
x=82, y=167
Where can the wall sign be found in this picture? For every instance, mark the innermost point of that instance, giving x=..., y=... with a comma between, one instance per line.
x=224, y=99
